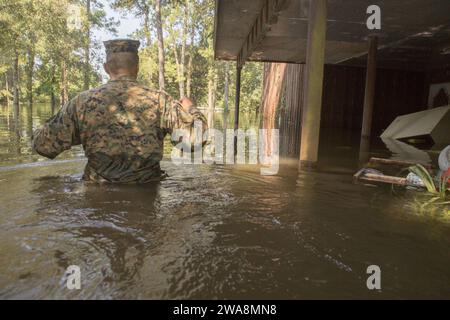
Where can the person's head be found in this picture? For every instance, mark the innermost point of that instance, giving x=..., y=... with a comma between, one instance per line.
x=121, y=58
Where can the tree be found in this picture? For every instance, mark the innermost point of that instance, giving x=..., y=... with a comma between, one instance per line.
x=13, y=27
x=177, y=25
x=87, y=45
x=161, y=54
x=142, y=9
x=273, y=85
x=48, y=52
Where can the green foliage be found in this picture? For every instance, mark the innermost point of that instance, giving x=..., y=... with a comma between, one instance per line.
x=45, y=34
x=5, y=93
x=252, y=79
x=436, y=200
x=56, y=32
x=196, y=31
x=425, y=176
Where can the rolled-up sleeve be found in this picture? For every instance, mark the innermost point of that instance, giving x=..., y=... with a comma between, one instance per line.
x=175, y=117
x=59, y=133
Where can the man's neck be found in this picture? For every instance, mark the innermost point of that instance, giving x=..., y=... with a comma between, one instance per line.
x=122, y=77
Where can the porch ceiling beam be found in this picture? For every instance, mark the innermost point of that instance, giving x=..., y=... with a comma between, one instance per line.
x=266, y=18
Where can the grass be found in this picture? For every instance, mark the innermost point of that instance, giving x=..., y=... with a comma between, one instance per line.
x=436, y=200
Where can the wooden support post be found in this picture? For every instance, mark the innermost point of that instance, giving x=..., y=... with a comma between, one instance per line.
x=369, y=99
x=315, y=59
x=237, y=103
x=226, y=94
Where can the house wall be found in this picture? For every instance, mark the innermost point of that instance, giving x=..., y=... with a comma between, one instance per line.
x=438, y=80
x=397, y=92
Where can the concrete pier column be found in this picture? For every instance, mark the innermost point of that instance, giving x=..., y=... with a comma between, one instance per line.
x=369, y=99
x=237, y=103
x=315, y=60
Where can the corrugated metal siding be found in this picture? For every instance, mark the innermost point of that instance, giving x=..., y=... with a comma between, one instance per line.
x=291, y=112
x=397, y=92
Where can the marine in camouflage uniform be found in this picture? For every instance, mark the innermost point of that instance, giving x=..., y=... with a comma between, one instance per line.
x=121, y=126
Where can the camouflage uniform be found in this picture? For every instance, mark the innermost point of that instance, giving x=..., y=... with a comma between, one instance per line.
x=121, y=126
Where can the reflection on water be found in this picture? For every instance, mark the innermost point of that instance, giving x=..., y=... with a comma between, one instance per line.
x=402, y=151
x=210, y=232
x=15, y=144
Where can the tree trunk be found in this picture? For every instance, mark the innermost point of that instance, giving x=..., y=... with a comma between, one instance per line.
x=266, y=71
x=161, y=56
x=30, y=74
x=147, y=31
x=16, y=85
x=148, y=39
x=191, y=13
x=189, y=67
x=52, y=92
x=64, y=84
x=53, y=100
x=7, y=89
x=180, y=60
x=212, y=88
x=273, y=86
x=183, y=50
x=189, y=78
x=179, y=74
x=87, y=54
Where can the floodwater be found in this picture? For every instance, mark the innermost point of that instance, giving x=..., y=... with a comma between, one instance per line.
x=209, y=231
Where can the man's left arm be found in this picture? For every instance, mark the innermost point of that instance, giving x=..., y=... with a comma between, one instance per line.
x=59, y=133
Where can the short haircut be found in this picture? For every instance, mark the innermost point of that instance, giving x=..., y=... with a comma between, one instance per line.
x=122, y=61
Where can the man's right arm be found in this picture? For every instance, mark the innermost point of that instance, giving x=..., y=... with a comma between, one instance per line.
x=181, y=115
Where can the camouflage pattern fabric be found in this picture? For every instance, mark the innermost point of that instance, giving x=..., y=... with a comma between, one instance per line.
x=121, y=45
x=121, y=126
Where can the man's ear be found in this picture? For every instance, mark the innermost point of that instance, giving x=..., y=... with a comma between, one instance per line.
x=105, y=66
x=137, y=70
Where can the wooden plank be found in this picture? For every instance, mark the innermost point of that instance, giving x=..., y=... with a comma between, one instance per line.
x=363, y=175
x=396, y=162
x=384, y=179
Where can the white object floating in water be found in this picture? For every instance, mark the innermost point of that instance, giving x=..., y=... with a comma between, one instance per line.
x=433, y=123
x=414, y=180
x=444, y=159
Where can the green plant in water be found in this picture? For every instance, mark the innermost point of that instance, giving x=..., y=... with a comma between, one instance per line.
x=438, y=193
x=443, y=187
x=425, y=176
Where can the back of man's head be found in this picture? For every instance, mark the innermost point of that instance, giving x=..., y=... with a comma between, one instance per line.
x=122, y=63
x=122, y=58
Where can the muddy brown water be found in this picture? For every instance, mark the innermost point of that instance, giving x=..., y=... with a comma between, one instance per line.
x=209, y=231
